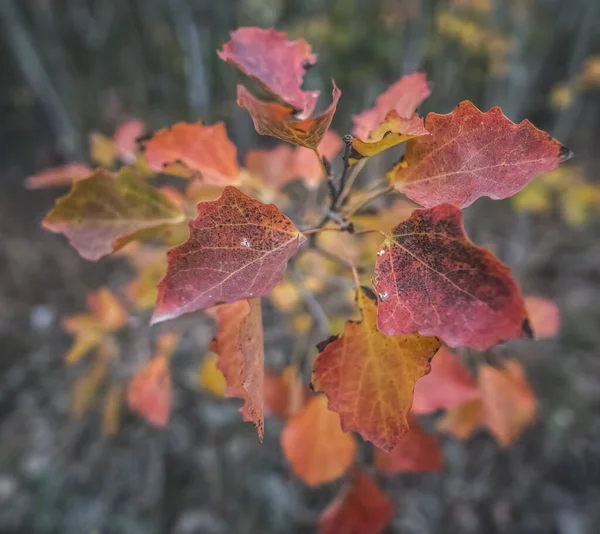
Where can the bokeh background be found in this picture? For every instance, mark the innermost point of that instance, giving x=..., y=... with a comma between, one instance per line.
x=70, y=67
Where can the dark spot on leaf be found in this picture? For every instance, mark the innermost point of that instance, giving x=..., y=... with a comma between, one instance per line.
x=321, y=346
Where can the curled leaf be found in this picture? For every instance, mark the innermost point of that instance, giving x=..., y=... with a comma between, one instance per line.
x=403, y=97
x=431, y=279
x=238, y=248
x=105, y=211
x=277, y=64
x=315, y=445
x=471, y=154
x=240, y=347
x=279, y=121
x=369, y=377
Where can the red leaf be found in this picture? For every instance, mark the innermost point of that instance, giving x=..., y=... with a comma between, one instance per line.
x=238, y=248
x=66, y=174
x=403, y=97
x=360, y=508
x=201, y=148
x=544, y=316
x=471, y=154
x=239, y=344
x=369, y=378
x=285, y=395
x=277, y=64
x=448, y=385
x=431, y=279
x=278, y=120
x=149, y=391
x=315, y=445
x=104, y=212
x=417, y=452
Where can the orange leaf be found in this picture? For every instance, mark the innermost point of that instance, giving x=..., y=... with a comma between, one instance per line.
x=238, y=248
x=66, y=174
x=285, y=395
x=107, y=309
x=276, y=63
x=417, y=452
x=403, y=97
x=278, y=120
x=431, y=279
x=240, y=347
x=201, y=148
x=360, y=508
x=149, y=392
x=369, y=377
x=508, y=402
x=448, y=385
x=315, y=445
x=461, y=420
x=103, y=212
x=471, y=154
x=544, y=316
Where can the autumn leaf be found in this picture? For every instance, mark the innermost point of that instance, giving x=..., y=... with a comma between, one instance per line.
x=417, y=452
x=274, y=168
x=107, y=309
x=238, y=248
x=403, y=97
x=462, y=420
x=90, y=329
x=361, y=507
x=315, y=445
x=285, y=395
x=85, y=388
x=279, y=121
x=104, y=211
x=448, y=385
x=210, y=378
x=508, y=403
x=431, y=279
x=102, y=149
x=369, y=377
x=149, y=391
x=277, y=64
x=471, y=154
x=55, y=176
x=240, y=347
x=200, y=148
x=544, y=316
x=391, y=132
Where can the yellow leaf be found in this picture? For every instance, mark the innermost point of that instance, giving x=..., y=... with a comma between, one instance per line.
x=210, y=378
x=102, y=150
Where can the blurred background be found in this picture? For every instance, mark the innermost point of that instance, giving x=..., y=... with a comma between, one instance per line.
x=70, y=67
